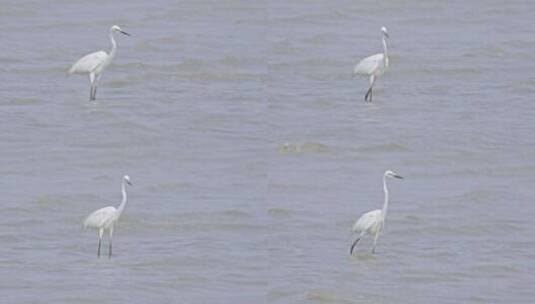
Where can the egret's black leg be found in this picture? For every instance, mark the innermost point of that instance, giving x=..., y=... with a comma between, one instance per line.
x=367, y=94
x=353, y=246
x=98, y=250
x=93, y=92
x=109, y=255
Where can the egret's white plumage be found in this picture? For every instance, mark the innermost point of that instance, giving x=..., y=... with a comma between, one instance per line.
x=88, y=63
x=374, y=66
x=104, y=219
x=94, y=63
x=372, y=222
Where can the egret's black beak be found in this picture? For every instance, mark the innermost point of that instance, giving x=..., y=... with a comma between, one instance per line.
x=397, y=176
x=125, y=33
x=386, y=34
x=128, y=182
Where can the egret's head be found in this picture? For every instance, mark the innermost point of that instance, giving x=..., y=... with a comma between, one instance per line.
x=392, y=174
x=127, y=179
x=385, y=32
x=117, y=29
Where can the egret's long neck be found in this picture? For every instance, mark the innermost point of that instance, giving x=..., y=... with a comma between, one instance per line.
x=385, y=189
x=123, y=202
x=113, y=49
x=385, y=51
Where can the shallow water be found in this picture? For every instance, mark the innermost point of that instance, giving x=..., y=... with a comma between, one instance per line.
x=252, y=152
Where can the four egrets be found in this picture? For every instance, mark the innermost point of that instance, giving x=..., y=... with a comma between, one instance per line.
x=105, y=219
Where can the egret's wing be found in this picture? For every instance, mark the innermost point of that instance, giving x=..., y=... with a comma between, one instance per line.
x=369, y=64
x=88, y=63
x=367, y=220
x=100, y=217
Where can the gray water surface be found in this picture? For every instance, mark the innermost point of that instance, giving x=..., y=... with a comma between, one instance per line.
x=252, y=152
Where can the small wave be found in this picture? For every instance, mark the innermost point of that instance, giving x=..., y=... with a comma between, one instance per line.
x=321, y=39
x=241, y=61
x=384, y=148
x=297, y=148
x=451, y=69
x=23, y=101
x=319, y=62
x=494, y=269
x=211, y=218
x=482, y=195
x=325, y=296
x=167, y=187
x=8, y=60
x=207, y=225
x=191, y=63
x=279, y=212
x=119, y=83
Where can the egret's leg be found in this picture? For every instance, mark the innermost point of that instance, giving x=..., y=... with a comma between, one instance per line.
x=94, y=91
x=92, y=81
x=369, y=93
x=95, y=87
x=356, y=242
x=111, y=235
x=353, y=246
x=375, y=242
x=91, y=93
x=100, y=233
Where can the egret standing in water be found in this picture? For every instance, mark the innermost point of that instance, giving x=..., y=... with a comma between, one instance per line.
x=372, y=222
x=104, y=219
x=95, y=63
x=374, y=65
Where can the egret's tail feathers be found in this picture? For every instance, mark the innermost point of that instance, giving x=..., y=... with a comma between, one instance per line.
x=83, y=227
x=86, y=223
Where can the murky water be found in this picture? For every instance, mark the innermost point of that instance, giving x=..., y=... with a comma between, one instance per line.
x=252, y=152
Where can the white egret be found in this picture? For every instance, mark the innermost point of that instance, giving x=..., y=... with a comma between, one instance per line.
x=374, y=65
x=372, y=222
x=94, y=63
x=104, y=219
